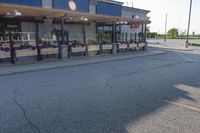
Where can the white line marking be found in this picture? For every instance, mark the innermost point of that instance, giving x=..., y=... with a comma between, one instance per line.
x=185, y=57
x=184, y=106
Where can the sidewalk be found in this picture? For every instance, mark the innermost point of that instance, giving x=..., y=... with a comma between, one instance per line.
x=169, y=45
x=77, y=61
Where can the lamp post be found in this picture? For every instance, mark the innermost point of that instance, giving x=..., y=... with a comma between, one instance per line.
x=165, y=38
x=188, y=31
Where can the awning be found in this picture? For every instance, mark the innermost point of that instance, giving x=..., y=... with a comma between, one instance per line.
x=37, y=13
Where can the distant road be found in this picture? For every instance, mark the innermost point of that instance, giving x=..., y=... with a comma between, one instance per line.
x=173, y=41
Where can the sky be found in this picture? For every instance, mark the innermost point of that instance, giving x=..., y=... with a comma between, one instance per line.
x=176, y=10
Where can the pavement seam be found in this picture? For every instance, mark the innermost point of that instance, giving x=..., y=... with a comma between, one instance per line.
x=79, y=64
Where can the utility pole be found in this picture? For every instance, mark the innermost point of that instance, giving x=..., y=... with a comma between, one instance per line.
x=188, y=31
x=165, y=38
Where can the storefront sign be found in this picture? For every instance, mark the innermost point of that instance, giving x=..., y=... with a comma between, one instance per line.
x=72, y=5
x=12, y=26
x=135, y=16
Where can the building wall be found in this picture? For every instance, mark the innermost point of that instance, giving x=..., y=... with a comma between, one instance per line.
x=91, y=32
x=126, y=28
x=92, y=9
x=44, y=29
x=36, y=3
x=28, y=26
x=82, y=5
x=107, y=8
x=75, y=30
x=47, y=3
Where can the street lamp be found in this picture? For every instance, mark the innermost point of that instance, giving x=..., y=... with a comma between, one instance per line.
x=165, y=38
x=188, y=31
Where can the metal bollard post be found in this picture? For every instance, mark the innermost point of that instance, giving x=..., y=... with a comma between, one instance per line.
x=114, y=48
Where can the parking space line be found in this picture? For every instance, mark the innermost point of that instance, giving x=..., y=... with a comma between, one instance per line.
x=184, y=106
x=184, y=57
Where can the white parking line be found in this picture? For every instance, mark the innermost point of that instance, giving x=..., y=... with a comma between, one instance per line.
x=184, y=57
x=184, y=106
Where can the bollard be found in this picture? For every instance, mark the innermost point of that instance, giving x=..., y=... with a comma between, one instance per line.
x=114, y=48
x=146, y=46
x=63, y=51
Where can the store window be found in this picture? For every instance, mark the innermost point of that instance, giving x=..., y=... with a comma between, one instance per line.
x=6, y=26
x=104, y=33
x=131, y=36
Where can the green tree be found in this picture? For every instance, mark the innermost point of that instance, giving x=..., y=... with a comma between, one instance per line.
x=147, y=31
x=152, y=34
x=173, y=33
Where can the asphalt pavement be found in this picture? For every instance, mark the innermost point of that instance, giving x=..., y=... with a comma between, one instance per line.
x=151, y=94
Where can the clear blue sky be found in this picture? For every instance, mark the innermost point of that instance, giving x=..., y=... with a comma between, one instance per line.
x=177, y=11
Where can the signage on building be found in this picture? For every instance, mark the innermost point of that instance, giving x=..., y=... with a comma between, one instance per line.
x=134, y=25
x=135, y=16
x=72, y=5
x=12, y=26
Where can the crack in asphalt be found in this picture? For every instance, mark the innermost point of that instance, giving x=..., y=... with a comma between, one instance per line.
x=26, y=117
x=62, y=124
x=24, y=111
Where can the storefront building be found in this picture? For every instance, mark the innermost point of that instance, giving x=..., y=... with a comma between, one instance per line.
x=37, y=28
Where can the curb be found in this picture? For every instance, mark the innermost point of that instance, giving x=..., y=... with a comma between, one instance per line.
x=172, y=48
x=79, y=64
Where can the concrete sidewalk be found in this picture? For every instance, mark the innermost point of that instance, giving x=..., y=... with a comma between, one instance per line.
x=55, y=64
x=169, y=45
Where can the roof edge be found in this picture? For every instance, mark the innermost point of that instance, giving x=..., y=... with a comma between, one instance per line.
x=112, y=2
x=133, y=8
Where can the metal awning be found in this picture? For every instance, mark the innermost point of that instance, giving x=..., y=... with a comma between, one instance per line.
x=37, y=13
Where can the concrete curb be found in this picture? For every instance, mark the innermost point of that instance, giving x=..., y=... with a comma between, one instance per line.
x=78, y=64
x=177, y=49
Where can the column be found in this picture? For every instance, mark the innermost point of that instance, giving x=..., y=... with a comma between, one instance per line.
x=12, y=50
x=39, y=57
x=84, y=39
x=63, y=49
x=145, y=37
x=114, y=45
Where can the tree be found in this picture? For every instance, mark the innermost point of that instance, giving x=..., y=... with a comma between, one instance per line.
x=152, y=34
x=147, y=31
x=173, y=33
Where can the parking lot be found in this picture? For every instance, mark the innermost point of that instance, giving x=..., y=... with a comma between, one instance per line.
x=151, y=94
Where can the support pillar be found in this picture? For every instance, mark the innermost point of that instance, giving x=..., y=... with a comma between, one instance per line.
x=114, y=44
x=12, y=49
x=84, y=38
x=39, y=57
x=63, y=49
x=145, y=32
x=145, y=37
x=126, y=37
x=142, y=28
x=135, y=37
